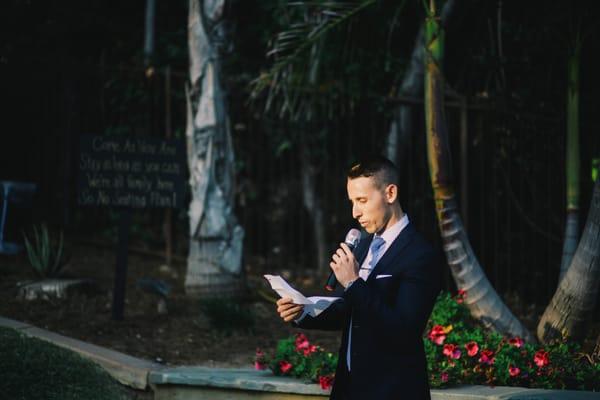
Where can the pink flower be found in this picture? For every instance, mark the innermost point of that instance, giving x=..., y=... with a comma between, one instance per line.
x=472, y=348
x=513, y=371
x=303, y=345
x=541, y=358
x=259, y=366
x=517, y=342
x=444, y=377
x=284, y=366
x=460, y=295
x=437, y=334
x=452, y=351
x=486, y=357
x=326, y=382
x=309, y=350
x=301, y=342
x=259, y=360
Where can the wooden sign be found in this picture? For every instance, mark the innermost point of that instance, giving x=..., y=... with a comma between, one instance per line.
x=128, y=172
x=131, y=171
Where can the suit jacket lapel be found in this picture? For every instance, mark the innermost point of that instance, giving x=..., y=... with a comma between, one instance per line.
x=395, y=248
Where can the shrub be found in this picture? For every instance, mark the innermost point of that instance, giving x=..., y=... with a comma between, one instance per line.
x=46, y=258
x=296, y=356
x=228, y=316
x=459, y=351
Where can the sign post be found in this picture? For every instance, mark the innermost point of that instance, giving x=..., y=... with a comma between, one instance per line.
x=128, y=172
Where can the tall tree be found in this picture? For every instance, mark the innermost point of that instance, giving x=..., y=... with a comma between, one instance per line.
x=401, y=126
x=482, y=300
x=575, y=299
x=572, y=167
x=214, y=260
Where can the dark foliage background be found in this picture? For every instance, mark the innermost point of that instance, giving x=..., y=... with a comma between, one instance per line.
x=69, y=68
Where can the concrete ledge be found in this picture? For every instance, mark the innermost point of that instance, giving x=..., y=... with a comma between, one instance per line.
x=186, y=383
x=243, y=379
x=129, y=371
x=11, y=323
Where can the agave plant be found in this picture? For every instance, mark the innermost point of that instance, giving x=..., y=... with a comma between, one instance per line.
x=46, y=259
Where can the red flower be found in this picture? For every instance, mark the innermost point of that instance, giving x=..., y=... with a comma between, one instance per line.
x=259, y=365
x=284, y=366
x=437, y=334
x=444, y=377
x=487, y=357
x=517, y=342
x=301, y=342
x=259, y=360
x=303, y=345
x=472, y=348
x=541, y=358
x=308, y=350
x=513, y=371
x=452, y=351
x=326, y=382
x=460, y=295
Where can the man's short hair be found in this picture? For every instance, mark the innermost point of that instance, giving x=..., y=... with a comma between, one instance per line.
x=382, y=170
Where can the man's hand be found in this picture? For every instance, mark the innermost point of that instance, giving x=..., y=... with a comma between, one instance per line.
x=287, y=310
x=344, y=265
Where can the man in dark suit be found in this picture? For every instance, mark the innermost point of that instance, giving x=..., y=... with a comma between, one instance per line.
x=390, y=286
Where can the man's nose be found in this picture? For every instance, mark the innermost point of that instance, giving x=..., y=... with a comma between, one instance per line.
x=356, y=212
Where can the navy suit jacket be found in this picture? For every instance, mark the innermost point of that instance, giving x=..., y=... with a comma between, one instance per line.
x=389, y=315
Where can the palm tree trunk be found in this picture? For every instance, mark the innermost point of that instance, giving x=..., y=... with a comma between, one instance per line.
x=572, y=224
x=573, y=302
x=401, y=126
x=214, y=260
x=482, y=300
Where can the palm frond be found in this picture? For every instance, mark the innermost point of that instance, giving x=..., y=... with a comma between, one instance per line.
x=320, y=17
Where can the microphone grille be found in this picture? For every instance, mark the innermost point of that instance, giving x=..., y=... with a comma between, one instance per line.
x=352, y=237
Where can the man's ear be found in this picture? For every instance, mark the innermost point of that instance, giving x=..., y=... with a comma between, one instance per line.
x=391, y=193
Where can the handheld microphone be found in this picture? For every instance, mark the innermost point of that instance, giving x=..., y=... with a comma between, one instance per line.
x=352, y=239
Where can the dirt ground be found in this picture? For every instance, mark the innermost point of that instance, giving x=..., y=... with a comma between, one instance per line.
x=183, y=336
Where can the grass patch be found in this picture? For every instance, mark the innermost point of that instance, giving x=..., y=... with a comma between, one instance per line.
x=32, y=369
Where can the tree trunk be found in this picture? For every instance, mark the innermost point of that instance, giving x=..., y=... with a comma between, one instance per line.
x=573, y=302
x=314, y=209
x=596, y=351
x=482, y=300
x=401, y=127
x=310, y=196
x=572, y=224
x=216, y=238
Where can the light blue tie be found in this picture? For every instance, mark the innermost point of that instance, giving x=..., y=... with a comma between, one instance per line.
x=376, y=248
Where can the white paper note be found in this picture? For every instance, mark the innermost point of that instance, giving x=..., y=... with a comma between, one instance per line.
x=313, y=305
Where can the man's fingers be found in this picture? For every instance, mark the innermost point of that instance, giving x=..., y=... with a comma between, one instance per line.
x=284, y=300
x=346, y=250
x=291, y=313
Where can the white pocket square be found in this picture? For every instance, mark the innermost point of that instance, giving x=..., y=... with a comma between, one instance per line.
x=382, y=276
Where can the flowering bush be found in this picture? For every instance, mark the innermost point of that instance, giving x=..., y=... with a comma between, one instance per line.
x=460, y=351
x=296, y=356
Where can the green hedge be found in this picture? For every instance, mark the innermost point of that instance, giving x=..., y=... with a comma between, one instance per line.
x=32, y=369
